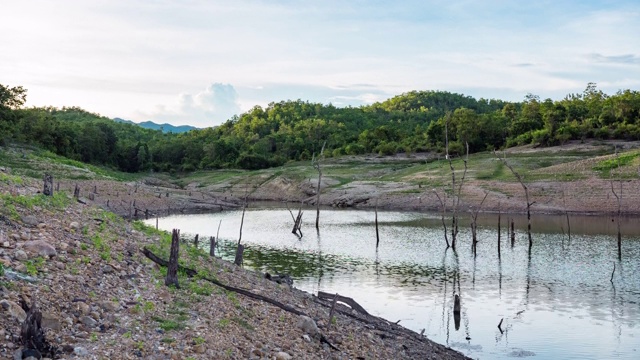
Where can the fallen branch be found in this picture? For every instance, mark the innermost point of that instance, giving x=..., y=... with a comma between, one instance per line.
x=343, y=299
x=191, y=273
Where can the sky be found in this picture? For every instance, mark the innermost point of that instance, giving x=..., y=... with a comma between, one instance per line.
x=199, y=62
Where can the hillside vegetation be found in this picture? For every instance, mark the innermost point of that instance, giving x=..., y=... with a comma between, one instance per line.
x=295, y=130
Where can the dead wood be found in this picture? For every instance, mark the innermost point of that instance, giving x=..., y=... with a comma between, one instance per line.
x=191, y=273
x=343, y=299
x=32, y=335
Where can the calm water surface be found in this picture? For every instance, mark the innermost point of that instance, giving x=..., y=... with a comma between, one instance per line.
x=556, y=302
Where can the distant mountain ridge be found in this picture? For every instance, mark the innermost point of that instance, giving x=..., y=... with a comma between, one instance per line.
x=166, y=128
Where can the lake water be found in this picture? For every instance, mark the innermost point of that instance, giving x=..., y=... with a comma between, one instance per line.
x=555, y=302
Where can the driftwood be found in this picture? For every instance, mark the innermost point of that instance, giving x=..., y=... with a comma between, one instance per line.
x=247, y=293
x=343, y=299
x=279, y=278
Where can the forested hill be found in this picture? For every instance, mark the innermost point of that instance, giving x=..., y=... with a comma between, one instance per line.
x=167, y=128
x=295, y=130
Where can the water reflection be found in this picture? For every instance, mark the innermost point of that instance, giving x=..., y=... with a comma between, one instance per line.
x=555, y=300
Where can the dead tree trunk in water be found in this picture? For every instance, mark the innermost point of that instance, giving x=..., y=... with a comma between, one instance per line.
x=172, y=269
x=526, y=194
x=316, y=164
x=377, y=233
x=513, y=233
x=297, y=220
x=499, y=229
x=443, y=203
x=48, y=185
x=619, y=201
x=474, y=226
x=212, y=246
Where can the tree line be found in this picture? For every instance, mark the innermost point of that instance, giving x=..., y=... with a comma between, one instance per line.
x=294, y=130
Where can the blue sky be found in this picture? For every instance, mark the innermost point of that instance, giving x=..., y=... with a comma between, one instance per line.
x=199, y=62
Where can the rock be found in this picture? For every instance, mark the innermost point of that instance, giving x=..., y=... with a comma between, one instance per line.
x=83, y=308
x=283, y=356
x=6, y=244
x=110, y=306
x=74, y=225
x=89, y=321
x=14, y=310
x=20, y=255
x=107, y=269
x=25, y=236
x=50, y=321
x=306, y=338
x=308, y=325
x=30, y=220
x=199, y=349
x=40, y=247
x=80, y=351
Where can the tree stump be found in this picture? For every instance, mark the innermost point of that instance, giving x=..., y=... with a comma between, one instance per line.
x=172, y=269
x=195, y=241
x=239, y=253
x=76, y=192
x=212, y=246
x=48, y=185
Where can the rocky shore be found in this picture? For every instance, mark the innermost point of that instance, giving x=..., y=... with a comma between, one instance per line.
x=101, y=298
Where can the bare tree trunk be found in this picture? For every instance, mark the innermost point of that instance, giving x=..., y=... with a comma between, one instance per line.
x=239, y=253
x=499, y=230
x=172, y=269
x=212, y=246
x=444, y=210
x=48, y=185
x=377, y=233
x=76, y=192
x=195, y=241
x=316, y=164
x=619, y=213
x=513, y=233
x=474, y=225
x=526, y=193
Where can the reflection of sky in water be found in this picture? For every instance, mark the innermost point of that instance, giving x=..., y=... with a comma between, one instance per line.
x=559, y=303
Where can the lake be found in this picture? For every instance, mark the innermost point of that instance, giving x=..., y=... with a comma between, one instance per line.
x=556, y=301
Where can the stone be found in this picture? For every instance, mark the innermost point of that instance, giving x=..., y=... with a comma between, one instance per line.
x=199, y=349
x=89, y=321
x=25, y=236
x=83, y=308
x=20, y=255
x=30, y=220
x=74, y=225
x=107, y=269
x=283, y=356
x=51, y=321
x=80, y=351
x=307, y=325
x=110, y=306
x=306, y=338
x=14, y=310
x=41, y=248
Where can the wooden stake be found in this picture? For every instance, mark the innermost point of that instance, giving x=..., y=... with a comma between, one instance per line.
x=212, y=246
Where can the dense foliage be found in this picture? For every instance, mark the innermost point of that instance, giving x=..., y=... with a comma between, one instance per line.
x=295, y=130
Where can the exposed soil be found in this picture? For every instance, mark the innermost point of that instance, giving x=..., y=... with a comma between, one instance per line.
x=102, y=299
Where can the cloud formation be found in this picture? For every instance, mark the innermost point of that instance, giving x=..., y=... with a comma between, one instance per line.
x=210, y=107
x=615, y=59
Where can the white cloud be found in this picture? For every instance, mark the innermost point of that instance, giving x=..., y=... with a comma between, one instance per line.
x=210, y=107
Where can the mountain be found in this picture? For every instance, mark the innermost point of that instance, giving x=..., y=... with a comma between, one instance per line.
x=167, y=128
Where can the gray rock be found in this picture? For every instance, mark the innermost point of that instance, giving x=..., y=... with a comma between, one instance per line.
x=14, y=310
x=109, y=306
x=308, y=325
x=51, y=321
x=20, y=255
x=30, y=220
x=89, y=321
x=107, y=269
x=306, y=338
x=41, y=248
x=74, y=225
x=283, y=356
x=80, y=351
